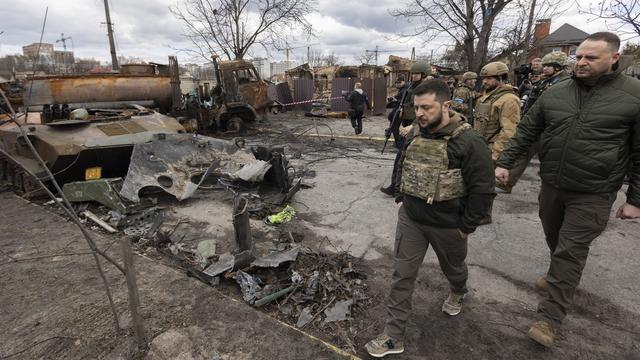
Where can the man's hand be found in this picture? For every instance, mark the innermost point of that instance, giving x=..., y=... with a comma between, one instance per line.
x=628, y=211
x=463, y=234
x=502, y=175
x=404, y=130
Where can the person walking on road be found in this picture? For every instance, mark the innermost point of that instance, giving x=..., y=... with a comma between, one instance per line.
x=357, y=100
x=588, y=128
x=446, y=184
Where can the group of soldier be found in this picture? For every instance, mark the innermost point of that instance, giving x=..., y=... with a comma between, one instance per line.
x=458, y=149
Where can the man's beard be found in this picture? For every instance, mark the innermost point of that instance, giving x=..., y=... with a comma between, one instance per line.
x=491, y=88
x=435, y=122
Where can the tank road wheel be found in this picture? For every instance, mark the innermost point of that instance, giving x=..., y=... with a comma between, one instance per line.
x=236, y=124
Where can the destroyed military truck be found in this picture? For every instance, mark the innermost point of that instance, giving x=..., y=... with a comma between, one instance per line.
x=238, y=98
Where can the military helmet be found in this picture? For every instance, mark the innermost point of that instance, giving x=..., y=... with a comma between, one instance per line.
x=469, y=75
x=555, y=58
x=421, y=68
x=495, y=68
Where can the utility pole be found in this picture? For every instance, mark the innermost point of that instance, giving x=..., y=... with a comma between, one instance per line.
x=64, y=41
x=528, y=32
x=377, y=51
x=112, y=45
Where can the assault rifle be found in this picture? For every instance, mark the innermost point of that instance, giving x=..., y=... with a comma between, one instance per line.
x=395, y=121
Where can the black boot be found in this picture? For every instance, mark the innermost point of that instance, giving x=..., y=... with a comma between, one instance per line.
x=389, y=190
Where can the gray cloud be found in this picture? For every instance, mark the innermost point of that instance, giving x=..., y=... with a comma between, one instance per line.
x=147, y=29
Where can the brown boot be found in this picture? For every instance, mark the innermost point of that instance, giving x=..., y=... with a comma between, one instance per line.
x=541, y=283
x=542, y=332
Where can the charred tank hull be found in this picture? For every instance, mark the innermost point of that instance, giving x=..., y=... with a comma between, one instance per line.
x=72, y=148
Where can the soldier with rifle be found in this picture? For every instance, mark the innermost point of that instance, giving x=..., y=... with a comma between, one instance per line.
x=403, y=117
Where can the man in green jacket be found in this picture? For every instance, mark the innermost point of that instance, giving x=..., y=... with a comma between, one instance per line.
x=589, y=132
x=446, y=183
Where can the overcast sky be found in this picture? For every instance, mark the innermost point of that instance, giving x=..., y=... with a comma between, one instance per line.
x=147, y=30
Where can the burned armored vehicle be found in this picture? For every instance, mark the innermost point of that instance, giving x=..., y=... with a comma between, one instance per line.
x=238, y=98
x=97, y=145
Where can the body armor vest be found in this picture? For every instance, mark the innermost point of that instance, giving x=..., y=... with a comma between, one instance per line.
x=483, y=122
x=425, y=170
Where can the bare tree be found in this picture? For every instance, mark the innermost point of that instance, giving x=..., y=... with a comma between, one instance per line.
x=233, y=27
x=621, y=16
x=468, y=22
x=513, y=38
x=331, y=59
x=320, y=58
x=366, y=57
x=454, y=57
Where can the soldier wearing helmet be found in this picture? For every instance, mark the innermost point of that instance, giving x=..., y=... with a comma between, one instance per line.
x=553, y=68
x=497, y=111
x=419, y=72
x=464, y=95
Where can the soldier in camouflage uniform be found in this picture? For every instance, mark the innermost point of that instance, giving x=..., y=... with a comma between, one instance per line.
x=464, y=95
x=446, y=186
x=419, y=71
x=554, y=72
x=497, y=111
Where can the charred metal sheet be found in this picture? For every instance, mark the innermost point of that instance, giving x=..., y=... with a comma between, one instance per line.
x=172, y=162
x=278, y=174
x=303, y=90
x=305, y=317
x=224, y=263
x=241, y=224
x=249, y=285
x=338, y=85
x=274, y=259
x=102, y=191
x=339, y=312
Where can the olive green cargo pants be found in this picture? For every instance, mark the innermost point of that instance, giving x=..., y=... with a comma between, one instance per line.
x=571, y=221
x=412, y=241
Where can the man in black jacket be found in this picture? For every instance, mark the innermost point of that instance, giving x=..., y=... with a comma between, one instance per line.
x=588, y=127
x=446, y=187
x=357, y=99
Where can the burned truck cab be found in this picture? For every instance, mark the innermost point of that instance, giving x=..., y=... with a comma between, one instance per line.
x=240, y=95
